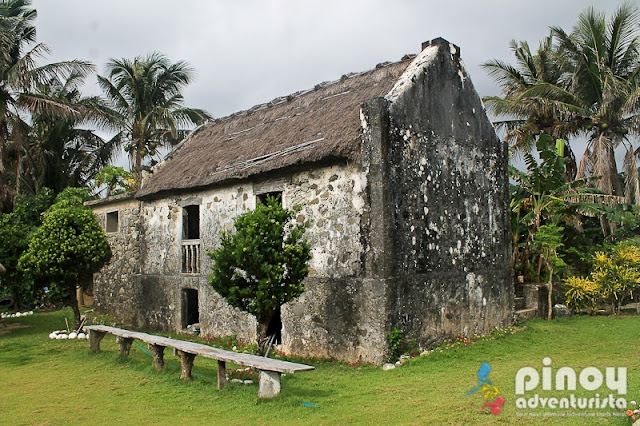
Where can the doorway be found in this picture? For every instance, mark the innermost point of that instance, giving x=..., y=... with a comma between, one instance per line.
x=190, y=311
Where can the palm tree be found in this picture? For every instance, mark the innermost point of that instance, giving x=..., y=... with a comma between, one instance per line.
x=593, y=89
x=60, y=152
x=602, y=89
x=146, y=101
x=19, y=77
x=525, y=118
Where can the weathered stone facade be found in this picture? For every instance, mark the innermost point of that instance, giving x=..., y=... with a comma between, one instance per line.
x=411, y=233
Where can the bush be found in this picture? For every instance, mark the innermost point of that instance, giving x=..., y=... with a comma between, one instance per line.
x=16, y=229
x=617, y=275
x=400, y=345
x=581, y=293
x=615, y=279
x=262, y=265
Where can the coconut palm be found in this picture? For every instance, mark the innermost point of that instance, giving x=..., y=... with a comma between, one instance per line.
x=20, y=75
x=60, y=152
x=146, y=100
x=602, y=88
x=525, y=118
x=593, y=89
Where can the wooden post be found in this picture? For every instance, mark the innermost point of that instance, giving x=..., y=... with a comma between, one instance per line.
x=222, y=374
x=125, y=345
x=269, y=384
x=186, y=362
x=158, y=356
x=94, y=339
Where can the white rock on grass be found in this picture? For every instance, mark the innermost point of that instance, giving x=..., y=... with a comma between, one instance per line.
x=52, y=335
x=388, y=366
x=73, y=335
x=248, y=382
x=64, y=336
x=236, y=381
x=82, y=336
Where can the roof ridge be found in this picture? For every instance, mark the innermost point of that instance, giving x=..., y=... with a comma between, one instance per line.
x=290, y=97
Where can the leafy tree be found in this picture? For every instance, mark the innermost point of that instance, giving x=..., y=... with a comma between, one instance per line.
x=68, y=248
x=16, y=229
x=262, y=265
x=117, y=180
x=146, y=101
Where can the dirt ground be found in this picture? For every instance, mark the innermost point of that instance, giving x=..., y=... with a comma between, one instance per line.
x=5, y=328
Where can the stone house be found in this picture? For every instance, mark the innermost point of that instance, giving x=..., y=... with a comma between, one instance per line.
x=403, y=179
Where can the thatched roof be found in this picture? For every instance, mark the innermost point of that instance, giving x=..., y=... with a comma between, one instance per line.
x=310, y=126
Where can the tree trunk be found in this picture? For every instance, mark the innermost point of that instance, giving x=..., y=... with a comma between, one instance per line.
x=550, y=296
x=74, y=305
x=263, y=327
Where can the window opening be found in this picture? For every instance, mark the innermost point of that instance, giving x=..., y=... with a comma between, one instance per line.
x=112, y=221
x=262, y=198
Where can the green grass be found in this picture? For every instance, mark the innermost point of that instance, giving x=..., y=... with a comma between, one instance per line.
x=46, y=381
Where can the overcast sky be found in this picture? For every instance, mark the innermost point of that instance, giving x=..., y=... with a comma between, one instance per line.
x=247, y=52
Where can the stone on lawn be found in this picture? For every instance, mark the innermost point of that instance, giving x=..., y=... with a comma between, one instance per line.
x=561, y=311
x=388, y=366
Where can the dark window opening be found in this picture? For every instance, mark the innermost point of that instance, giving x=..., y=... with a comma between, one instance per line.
x=191, y=223
x=275, y=327
x=112, y=221
x=190, y=312
x=262, y=198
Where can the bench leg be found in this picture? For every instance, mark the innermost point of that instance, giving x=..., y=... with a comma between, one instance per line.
x=186, y=362
x=94, y=339
x=158, y=356
x=222, y=374
x=269, y=384
x=125, y=345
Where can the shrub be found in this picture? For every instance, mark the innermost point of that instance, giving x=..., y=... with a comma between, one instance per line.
x=400, y=345
x=615, y=279
x=581, y=293
x=262, y=265
x=16, y=229
x=617, y=274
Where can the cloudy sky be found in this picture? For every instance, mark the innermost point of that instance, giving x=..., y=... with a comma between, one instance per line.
x=247, y=52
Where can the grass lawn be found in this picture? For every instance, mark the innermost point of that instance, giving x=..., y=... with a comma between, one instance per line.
x=46, y=381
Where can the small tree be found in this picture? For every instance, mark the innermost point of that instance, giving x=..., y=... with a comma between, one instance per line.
x=547, y=240
x=262, y=265
x=68, y=248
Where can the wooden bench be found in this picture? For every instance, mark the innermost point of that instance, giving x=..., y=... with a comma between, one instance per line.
x=270, y=369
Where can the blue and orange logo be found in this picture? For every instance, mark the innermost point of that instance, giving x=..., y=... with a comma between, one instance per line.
x=494, y=401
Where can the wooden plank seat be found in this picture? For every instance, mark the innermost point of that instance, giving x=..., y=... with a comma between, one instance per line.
x=270, y=369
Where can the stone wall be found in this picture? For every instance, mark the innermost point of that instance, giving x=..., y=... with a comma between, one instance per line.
x=449, y=204
x=332, y=200
x=116, y=286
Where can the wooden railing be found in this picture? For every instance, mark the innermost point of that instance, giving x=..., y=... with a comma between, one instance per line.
x=190, y=256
